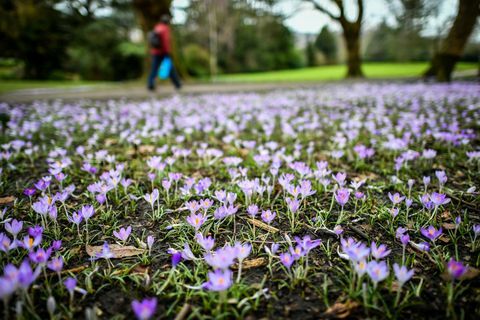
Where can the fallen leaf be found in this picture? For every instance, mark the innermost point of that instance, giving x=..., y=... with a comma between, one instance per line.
x=118, y=251
x=262, y=225
x=74, y=270
x=146, y=149
x=109, y=142
x=6, y=200
x=444, y=238
x=253, y=263
x=341, y=310
x=449, y=226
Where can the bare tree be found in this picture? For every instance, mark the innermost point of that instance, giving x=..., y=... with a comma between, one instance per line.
x=351, y=33
x=451, y=49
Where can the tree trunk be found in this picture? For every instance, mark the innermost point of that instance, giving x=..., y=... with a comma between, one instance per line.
x=443, y=62
x=351, y=34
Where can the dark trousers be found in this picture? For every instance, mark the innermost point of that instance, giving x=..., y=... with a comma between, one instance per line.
x=156, y=61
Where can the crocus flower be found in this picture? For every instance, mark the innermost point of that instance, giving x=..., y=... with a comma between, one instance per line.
x=396, y=198
x=150, y=240
x=176, y=258
x=431, y=233
x=377, y=271
x=7, y=287
x=144, y=309
x=242, y=250
x=342, y=195
x=268, y=216
x=206, y=243
x=219, y=280
x=87, y=212
x=379, y=252
x=56, y=264
x=70, y=284
x=360, y=267
x=123, y=234
x=252, y=210
x=222, y=258
x=439, y=199
x=29, y=192
x=402, y=274
x=286, y=259
x=151, y=197
x=476, y=229
x=196, y=220
x=105, y=253
x=456, y=269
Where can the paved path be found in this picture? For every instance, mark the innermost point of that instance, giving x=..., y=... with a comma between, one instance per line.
x=103, y=92
x=136, y=91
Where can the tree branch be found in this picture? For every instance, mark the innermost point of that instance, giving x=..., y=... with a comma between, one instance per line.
x=325, y=11
x=360, y=11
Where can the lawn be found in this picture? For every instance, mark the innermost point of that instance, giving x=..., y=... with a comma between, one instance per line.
x=355, y=200
x=337, y=72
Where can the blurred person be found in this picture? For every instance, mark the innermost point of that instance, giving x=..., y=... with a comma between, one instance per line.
x=160, y=48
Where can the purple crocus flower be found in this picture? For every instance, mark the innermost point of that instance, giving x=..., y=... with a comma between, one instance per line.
x=40, y=256
x=123, y=234
x=26, y=276
x=206, y=243
x=342, y=195
x=87, y=212
x=151, y=197
x=439, y=199
x=105, y=253
x=7, y=287
x=144, y=309
x=252, y=210
x=222, y=258
x=70, y=284
x=242, y=250
x=340, y=178
x=396, y=198
x=14, y=227
x=176, y=258
x=379, y=252
x=378, y=271
x=476, y=229
x=196, y=220
x=286, y=259
x=150, y=241
x=268, y=216
x=219, y=280
x=56, y=264
x=402, y=274
x=35, y=231
x=29, y=192
x=431, y=233
x=456, y=269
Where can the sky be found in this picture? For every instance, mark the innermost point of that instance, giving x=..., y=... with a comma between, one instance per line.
x=303, y=18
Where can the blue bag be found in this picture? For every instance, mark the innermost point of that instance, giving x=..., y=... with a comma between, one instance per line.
x=165, y=67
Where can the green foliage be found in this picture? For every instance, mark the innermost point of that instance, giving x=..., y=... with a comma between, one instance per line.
x=36, y=33
x=326, y=43
x=196, y=60
x=311, y=55
x=104, y=56
x=249, y=39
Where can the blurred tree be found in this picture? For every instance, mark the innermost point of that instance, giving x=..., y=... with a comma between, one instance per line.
x=326, y=42
x=351, y=33
x=311, y=54
x=443, y=63
x=36, y=33
x=246, y=36
x=382, y=45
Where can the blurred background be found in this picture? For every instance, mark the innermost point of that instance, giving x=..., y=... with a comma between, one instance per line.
x=104, y=40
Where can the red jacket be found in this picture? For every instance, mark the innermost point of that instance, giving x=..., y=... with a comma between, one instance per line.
x=163, y=31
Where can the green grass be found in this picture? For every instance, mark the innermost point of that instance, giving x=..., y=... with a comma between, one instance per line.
x=14, y=85
x=337, y=72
